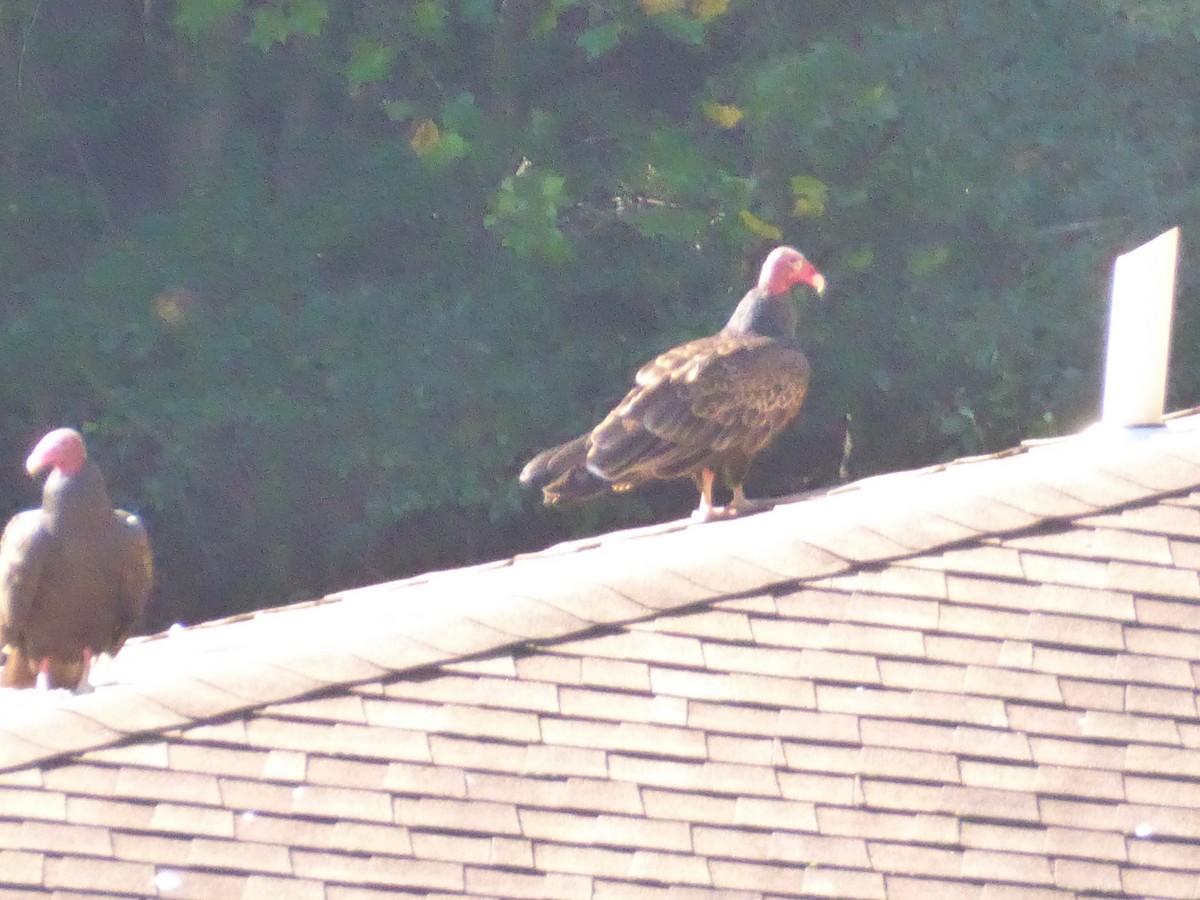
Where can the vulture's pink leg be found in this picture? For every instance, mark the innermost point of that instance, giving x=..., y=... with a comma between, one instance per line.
x=705, y=511
x=43, y=677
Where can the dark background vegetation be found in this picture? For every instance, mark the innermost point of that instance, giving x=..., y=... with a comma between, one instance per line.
x=316, y=276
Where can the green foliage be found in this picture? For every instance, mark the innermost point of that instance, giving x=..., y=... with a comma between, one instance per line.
x=369, y=61
x=196, y=17
x=280, y=20
x=318, y=277
x=525, y=214
x=599, y=39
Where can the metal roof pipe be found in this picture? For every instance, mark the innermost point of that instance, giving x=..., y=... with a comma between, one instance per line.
x=1139, y=334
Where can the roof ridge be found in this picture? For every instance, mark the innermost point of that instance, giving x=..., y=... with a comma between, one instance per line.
x=192, y=675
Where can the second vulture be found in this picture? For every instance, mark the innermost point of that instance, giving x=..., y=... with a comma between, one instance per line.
x=74, y=575
x=703, y=409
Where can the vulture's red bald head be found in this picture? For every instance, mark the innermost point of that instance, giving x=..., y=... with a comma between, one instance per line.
x=61, y=449
x=786, y=266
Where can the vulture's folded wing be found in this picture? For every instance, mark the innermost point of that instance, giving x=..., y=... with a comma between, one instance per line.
x=716, y=395
x=23, y=549
x=136, y=574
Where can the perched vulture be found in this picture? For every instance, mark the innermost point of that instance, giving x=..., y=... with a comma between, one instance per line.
x=74, y=575
x=705, y=408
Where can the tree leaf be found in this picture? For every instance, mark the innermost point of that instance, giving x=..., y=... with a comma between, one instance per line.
x=268, y=27
x=451, y=146
x=598, y=40
x=280, y=22
x=308, y=17
x=430, y=18
x=759, y=227
x=658, y=7
x=709, y=9
x=463, y=114
x=425, y=138
x=369, y=61
x=810, y=194
x=724, y=114
x=680, y=27
x=194, y=17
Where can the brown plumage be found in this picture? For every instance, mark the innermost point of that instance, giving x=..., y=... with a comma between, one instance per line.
x=74, y=574
x=703, y=409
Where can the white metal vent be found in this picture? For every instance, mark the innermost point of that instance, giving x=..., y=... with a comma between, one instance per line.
x=1139, y=333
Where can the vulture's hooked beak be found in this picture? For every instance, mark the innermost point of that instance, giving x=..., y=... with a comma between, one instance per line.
x=807, y=273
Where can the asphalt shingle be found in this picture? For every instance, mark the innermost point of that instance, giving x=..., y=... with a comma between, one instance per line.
x=976, y=681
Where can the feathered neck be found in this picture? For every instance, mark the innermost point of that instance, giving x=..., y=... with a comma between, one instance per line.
x=763, y=313
x=75, y=501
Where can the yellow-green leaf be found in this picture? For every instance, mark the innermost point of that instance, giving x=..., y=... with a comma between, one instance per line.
x=425, y=138
x=546, y=22
x=759, y=227
x=171, y=306
x=873, y=94
x=811, y=196
x=709, y=9
x=430, y=20
x=724, y=114
x=656, y=7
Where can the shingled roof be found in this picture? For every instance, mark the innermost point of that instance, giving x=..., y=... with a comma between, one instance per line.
x=973, y=681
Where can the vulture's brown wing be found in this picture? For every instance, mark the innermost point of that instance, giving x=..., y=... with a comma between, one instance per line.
x=717, y=395
x=24, y=546
x=136, y=575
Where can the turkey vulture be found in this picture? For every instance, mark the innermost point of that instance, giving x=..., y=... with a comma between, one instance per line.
x=704, y=408
x=74, y=575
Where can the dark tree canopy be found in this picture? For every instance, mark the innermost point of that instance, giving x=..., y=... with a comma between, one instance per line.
x=316, y=277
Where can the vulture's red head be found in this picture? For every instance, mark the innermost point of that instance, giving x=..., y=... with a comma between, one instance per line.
x=786, y=266
x=61, y=449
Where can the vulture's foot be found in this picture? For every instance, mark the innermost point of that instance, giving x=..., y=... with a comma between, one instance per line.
x=85, y=679
x=739, y=506
x=745, y=507
x=43, y=676
x=704, y=513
